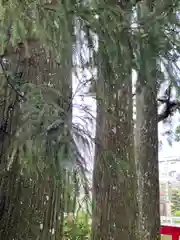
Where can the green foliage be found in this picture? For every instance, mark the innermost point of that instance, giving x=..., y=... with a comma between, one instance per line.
x=177, y=133
x=79, y=229
x=177, y=213
x=175, y=199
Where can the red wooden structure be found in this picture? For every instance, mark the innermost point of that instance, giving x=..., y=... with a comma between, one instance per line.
x=172, y=231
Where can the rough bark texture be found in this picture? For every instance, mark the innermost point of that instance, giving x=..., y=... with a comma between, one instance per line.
x=147, y=160
x=39, y=68
x=114, y=176
x=146, y=137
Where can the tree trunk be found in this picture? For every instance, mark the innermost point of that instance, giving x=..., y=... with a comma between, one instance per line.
x=114, y=176
x=38, y=69
x=146, y=139
x=147, y=161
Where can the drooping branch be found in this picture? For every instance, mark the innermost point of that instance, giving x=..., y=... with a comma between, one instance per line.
x=7, y=77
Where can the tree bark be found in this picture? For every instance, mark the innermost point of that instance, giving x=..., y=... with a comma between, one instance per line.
x=39, y=69
x=146, y=139
x=147, y=162
x=114, y=175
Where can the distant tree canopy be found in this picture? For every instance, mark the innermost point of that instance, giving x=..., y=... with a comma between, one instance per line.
x=175, y=200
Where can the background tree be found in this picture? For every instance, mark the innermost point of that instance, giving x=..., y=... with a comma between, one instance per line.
x=154, y=49
x=175, y=200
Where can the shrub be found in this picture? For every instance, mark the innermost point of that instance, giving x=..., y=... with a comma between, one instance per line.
x=78, y=228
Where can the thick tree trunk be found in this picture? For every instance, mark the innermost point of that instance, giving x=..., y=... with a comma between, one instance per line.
x=114, y=176
x=38, y=69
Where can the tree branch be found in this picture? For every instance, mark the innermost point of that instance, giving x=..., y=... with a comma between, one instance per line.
x=8, y=79
x=170, y=107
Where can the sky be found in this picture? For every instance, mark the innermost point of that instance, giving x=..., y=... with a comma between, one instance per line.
x=170, y=151
x=173, y=149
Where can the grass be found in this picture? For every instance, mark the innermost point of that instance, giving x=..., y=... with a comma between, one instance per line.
x=165, y=238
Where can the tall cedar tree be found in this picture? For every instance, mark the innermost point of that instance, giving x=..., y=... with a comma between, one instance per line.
x=114, y=176
x=146, y=137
